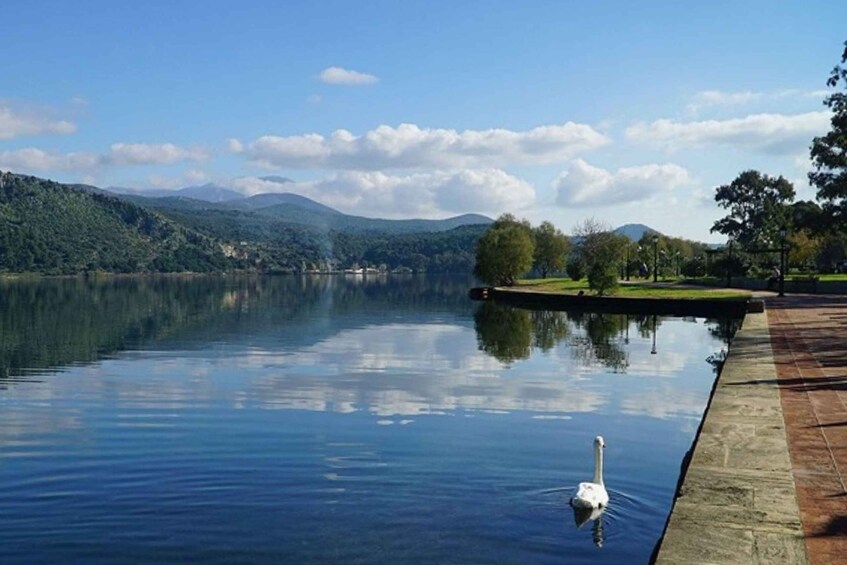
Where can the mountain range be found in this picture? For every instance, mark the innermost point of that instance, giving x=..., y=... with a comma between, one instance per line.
x=295, y=208
x=61, y=229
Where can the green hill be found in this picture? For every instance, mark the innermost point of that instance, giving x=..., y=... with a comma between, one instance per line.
x=58, y=229
x=52, y=228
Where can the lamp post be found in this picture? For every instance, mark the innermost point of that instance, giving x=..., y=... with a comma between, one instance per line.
x=677, y=264
x=655, y=258
x=729, y=266
x=638, y=255
x=626, y=264
x=782, y=233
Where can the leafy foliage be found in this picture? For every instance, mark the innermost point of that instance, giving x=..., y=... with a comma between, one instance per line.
x=504, y=252
x=829, y=152
x=757, y=205
x=736, y=265
x=601, y=251
x=551, y=248
x=575, y=268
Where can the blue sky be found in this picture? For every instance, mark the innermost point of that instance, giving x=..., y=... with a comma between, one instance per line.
x=559, y=111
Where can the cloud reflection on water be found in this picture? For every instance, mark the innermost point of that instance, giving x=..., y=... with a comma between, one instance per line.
x=389, y=364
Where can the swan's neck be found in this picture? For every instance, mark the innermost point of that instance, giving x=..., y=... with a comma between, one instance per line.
x=598, y=465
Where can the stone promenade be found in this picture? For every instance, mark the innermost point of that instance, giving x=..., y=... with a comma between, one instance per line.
x=766, y=482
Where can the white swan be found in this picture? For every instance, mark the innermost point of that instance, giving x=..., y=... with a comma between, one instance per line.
x=593, y=494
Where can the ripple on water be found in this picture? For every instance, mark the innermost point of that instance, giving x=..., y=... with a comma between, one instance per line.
x=628, y=516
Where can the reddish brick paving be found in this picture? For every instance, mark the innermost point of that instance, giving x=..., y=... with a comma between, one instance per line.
x=809, y=339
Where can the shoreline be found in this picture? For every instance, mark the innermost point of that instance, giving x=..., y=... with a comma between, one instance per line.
x=700, y=307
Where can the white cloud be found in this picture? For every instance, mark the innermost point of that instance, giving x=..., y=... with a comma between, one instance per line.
x=770, y=133
x=799, y=93
x=167, y=183
x=408, y=146
x=708, y=98
x=235, y=145
x=189, y=177
x=430, y=195
x=338, y=75
x=719, y=98
x=16, y=123
x=38, y=160
x=585, y=185
x=152, y=154
x=196, y=176
x=120, y=154
x=711, y=98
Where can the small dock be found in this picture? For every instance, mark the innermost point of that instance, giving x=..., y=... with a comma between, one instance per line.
x=766, y=480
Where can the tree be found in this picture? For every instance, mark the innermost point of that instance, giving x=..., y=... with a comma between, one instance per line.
x=551, y=248
x=575, y=269
x=803, y=250
x=504, y=252
x=833, y=249
x=807, y=215
x=829, y=153
x=757, y=207
x=600, y=250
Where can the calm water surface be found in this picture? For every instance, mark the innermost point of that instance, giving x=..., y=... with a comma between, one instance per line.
x=334, y=420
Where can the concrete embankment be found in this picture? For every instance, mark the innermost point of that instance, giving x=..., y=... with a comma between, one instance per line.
x=737, y=500
x=703, y=307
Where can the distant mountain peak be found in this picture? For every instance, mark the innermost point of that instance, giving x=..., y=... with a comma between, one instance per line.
x=635, y=231
x=210, y=192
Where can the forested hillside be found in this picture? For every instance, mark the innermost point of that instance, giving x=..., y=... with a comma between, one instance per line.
x=52, y=228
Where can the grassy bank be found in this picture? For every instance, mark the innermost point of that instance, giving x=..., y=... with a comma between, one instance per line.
x=635, y=289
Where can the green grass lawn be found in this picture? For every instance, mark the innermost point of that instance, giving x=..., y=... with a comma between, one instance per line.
x=635, y=289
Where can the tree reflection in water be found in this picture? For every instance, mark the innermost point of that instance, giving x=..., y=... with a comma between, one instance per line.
x=508, y=333
x=504, y=333
x=48, y=323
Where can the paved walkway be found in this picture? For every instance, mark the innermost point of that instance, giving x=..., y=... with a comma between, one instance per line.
x=766, y=483
x=809, y=338
x=737, y=503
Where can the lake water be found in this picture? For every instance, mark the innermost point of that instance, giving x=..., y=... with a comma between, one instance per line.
x=334, y=420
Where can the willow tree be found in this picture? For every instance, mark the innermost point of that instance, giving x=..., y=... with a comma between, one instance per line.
x=551, y=249
x=504, y=252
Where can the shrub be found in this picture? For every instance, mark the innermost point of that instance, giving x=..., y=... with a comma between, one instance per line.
x=602, y=277
x=575, y=269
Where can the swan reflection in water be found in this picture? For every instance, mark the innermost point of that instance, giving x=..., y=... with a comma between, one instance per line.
x=595, y=515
